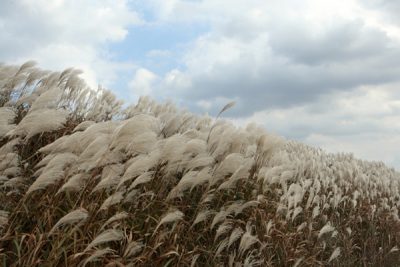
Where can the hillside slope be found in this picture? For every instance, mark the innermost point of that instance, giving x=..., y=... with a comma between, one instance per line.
x=85, y=182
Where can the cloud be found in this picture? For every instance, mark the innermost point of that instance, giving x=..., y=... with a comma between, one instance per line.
x=60, y=34
x=142, y=82
x=271, y=61
x=364, y=121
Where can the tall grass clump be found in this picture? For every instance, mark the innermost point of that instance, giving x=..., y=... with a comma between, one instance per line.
x=86, y=182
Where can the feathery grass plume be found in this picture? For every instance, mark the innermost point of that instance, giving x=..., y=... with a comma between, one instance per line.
x=40, y=121
x=296, y=212
x=74, y=217
x=81, y=140
x=234, y=207
x=298, y=261
x=112, y=200
x=199, y=161
x=295, y=195
x=248, y=204
x=143, y=143
x=142, y=179
x=3, y=218
x=202, y=177
x=247, y=239
x=139, y=165
x=13, y=183
x=227, y=166
x=55, y=147
x=96, y=149
x=68, y=143
x=83, y=126
x=172, y=152
x=117, y=217
x=202, y=216
x=132, y=128
x=104, y=127
x=97, y=256
x=106, y=236
x=132, y=249
x=223, y=229
x=41, y=164
x=170, y=217
x=221, y=247
x=53, y=172
x=7, y=116
x=110, y=177
x=12, y=171
x=251, y=260
x=209, y=197
x=9, y=160
x=195, y=147
x=301, y=227
x=131, y=196
x=26, y=66
x=48, y=99
x=326, y=229
x=241, y=173
x=27, y=99
x=3, y=179
x=110, y=158
x=335, y=254
x=9, y=147
x=219, y=217
x=310, y=197
x=226, y=107
x=394, y=249
x=220, y=142
x=171, y=123
x=184, y=184
x=111, y=106
x=235, y=235
x=75, y=183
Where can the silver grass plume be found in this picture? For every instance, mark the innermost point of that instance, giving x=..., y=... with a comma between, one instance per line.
x=109, y=235
x=73, y=217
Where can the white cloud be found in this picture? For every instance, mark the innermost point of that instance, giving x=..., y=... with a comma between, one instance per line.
x=278, y=55
x=60, y=34
x=176, y=80
x=365, y=121
x=142, y=82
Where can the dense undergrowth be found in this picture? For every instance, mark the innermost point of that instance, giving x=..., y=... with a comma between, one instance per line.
x=85, y=182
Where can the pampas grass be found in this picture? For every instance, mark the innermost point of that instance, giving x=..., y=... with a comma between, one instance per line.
x=75, y=216
x=109, y=235
x=152, y=185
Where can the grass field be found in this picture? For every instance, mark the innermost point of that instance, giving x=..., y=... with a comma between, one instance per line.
x=85, y=181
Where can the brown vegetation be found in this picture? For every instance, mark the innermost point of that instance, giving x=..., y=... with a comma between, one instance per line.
x=85, y=182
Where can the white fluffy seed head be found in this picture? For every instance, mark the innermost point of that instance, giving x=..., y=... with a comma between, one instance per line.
x=328, y=228
x=170, y=217
x=109, y=235
x=53, y=172
x=40, y=121
x=335, y=254
x=73, y=217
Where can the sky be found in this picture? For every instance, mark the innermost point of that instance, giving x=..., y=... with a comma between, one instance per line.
x=326, y=73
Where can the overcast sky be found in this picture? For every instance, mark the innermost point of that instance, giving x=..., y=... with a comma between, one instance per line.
x=326, y=73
